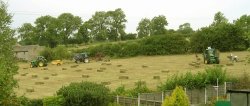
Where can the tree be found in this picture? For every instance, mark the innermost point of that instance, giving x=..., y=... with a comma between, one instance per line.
x=8, y=66
x=144, y=28
x=98, y=26
x=116, y=24
x=219, y=18
x=244, y=23
x=83, y=34
x=185, y=28
x=68, y=24
x=158, y=25
x=177, y=98
x=47, y=31
x=27, y=34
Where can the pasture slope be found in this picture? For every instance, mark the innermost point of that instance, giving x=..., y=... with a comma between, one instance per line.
x=45, y=81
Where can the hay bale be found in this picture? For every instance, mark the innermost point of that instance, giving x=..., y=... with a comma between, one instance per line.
x=45, y=68
x=106, y=83
x=39, y=83
x=64, y=68
x=74, y=66
x=88, y=68
x=108, y=64
x=104, y=64
x=25, y=68
x=123, y=77
x=156, y=77
x=79, y=70
x=34, y=76
x=123, y=70
x=102, y=68
x=54, y=74
x=24, y=74
x=45, y=78
x=119, y=65
x=85, y=76
x=165, y=71
x=144, y=66
x=30, y=90
x=229, y=64
x=99, y=70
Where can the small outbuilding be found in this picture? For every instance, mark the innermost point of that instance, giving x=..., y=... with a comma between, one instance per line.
x=27, y=52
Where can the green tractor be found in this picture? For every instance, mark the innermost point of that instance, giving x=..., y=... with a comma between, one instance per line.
x=211, y=56
x=40, y=61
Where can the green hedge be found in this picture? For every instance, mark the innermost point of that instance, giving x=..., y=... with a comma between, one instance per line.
x=85, y=94
x=155, y=45
x=53, y=101
x=58, y=53
x=196, y=81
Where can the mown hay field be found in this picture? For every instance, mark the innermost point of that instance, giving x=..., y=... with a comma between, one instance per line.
x=45, y=81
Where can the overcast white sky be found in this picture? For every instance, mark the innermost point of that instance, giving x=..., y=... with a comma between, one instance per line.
x=198, y=13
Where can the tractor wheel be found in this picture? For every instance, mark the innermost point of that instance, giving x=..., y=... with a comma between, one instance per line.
x=40, y=64
x=31, y=66
x=58, y=64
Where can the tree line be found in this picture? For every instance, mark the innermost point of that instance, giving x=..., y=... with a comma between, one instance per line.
x=110, y=26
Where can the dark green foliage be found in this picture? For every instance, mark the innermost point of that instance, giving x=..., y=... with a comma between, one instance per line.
x=196, y=81
x=53, y=101
x=8, y=65
x=36, y=102
x=85, y=94
x=155, y=45
x=58, y=53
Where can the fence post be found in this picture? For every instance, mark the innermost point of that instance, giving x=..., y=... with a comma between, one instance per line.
x=139, y=99
x=117, y=99
x=162, y=96
x=225, y=88
x=205, y=95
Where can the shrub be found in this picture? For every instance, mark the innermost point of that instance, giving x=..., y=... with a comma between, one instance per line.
x=60, y=52
x=53, y=101
x=196, y=81
x=85, y=94
x=177, y=98
x=120, y=90
x=140, y=87
x=36, y=102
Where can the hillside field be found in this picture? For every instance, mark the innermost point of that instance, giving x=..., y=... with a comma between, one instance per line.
x=45, y=81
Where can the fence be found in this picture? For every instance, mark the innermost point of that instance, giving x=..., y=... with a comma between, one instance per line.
x=200, y=96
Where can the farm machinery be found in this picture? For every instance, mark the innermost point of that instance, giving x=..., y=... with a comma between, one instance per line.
x=81, y=57
x=40, y=61
x=211, y=56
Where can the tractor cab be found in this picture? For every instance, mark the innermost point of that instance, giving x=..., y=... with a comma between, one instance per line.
x=81, y=57
x=211, y=56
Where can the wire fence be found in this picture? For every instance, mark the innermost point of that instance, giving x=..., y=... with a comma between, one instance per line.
x=196, y=96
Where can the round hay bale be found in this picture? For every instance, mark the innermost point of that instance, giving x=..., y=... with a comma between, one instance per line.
x=99, y=70
x=54, y=74
x=45, y=78
x=30, y=90
x=123, y=77
x=34, y=76
x=39, y=83
x=85, y=76
x=156, y=77
x=64, y=68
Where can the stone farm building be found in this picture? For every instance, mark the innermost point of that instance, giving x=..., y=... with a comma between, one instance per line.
x=27, y=52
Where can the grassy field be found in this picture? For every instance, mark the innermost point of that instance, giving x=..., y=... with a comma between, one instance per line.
x=45, y=81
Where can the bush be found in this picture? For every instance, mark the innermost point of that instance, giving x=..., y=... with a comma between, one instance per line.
x=177, y=98
x=53, y=101
x=196, y=81
x=155, y=45
x=140, y=87
x=85, y=94
x=36, y=102
x=60, y=52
